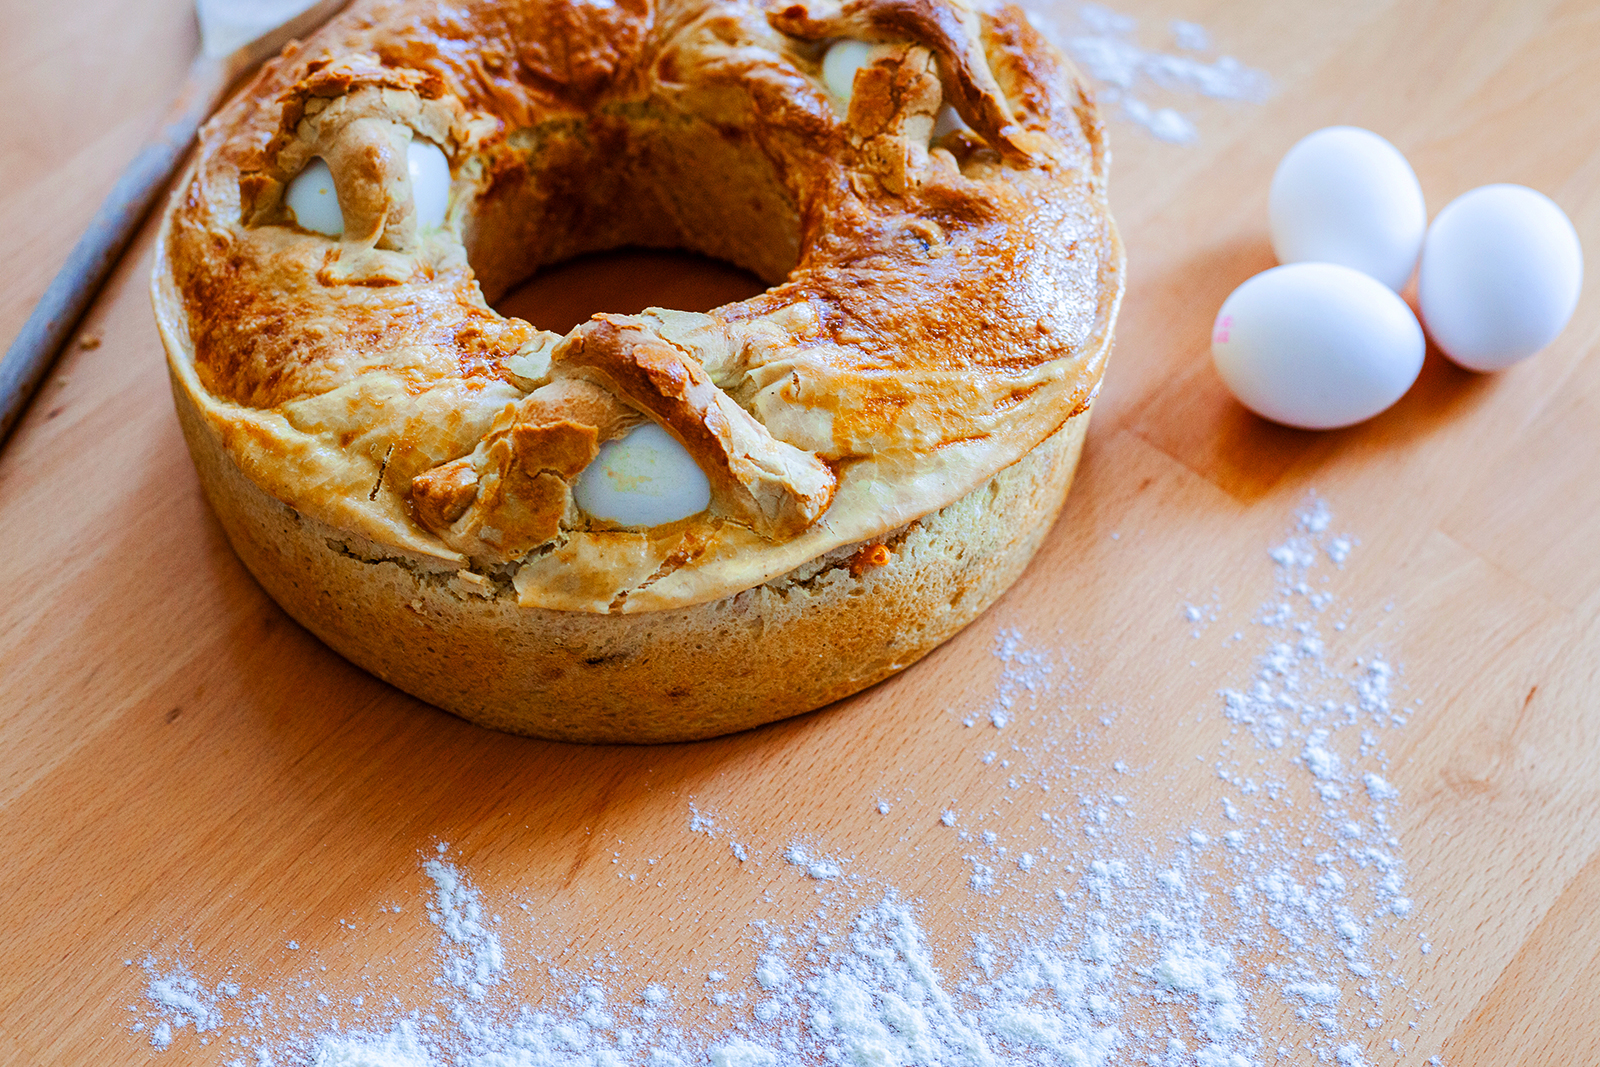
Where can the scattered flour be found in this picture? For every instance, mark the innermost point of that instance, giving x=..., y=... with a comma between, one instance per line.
x=399, y=1047
x=822, y=868
x=1104, y=43
x=1378, y=788
x=1024, y=672
x=700, y=822
x=1190, y=36
x=183, y=1001
x=1092, y=944
x=476, y=959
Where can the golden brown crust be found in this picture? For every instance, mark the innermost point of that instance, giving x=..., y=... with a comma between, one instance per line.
x=460, y=640
x=951, y=31
x=770, y=486
x=887, y=432
x=940, y=309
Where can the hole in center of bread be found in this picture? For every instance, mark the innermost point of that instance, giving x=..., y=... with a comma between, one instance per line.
x=644, y=176
x=626, y=281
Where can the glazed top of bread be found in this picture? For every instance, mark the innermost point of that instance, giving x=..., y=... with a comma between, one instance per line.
x=936, y=312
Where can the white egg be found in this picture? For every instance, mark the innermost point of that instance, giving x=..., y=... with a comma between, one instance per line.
x=314, y=201
x=948, y=121
x=1316, y=345
x=644, y=478
x=1345, y=195
x=1501, y=270
x=430, y=182
x=839, y=66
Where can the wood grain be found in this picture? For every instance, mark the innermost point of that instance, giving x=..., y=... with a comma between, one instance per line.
x=185, y=772
x=100, y=247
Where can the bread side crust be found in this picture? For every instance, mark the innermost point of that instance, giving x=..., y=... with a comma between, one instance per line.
x=815, y=635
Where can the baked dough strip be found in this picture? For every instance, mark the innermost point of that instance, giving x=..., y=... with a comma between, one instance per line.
x=949, y=309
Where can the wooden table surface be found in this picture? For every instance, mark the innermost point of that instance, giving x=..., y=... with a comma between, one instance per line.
x=184, y=772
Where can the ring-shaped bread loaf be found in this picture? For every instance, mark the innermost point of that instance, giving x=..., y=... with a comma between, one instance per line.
x=945, y=275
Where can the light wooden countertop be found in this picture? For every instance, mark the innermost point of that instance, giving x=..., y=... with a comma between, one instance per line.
x=186, y=773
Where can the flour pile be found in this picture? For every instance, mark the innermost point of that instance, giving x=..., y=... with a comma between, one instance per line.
x=1268, y=928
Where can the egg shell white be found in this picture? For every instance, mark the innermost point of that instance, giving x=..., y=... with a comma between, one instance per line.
x=1346, y=195
x=1501, y=272
x=430, y=182
x=948, y=121
x=839, y=65
x=1316, y=345
x=644, y=478
x=314, y=200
